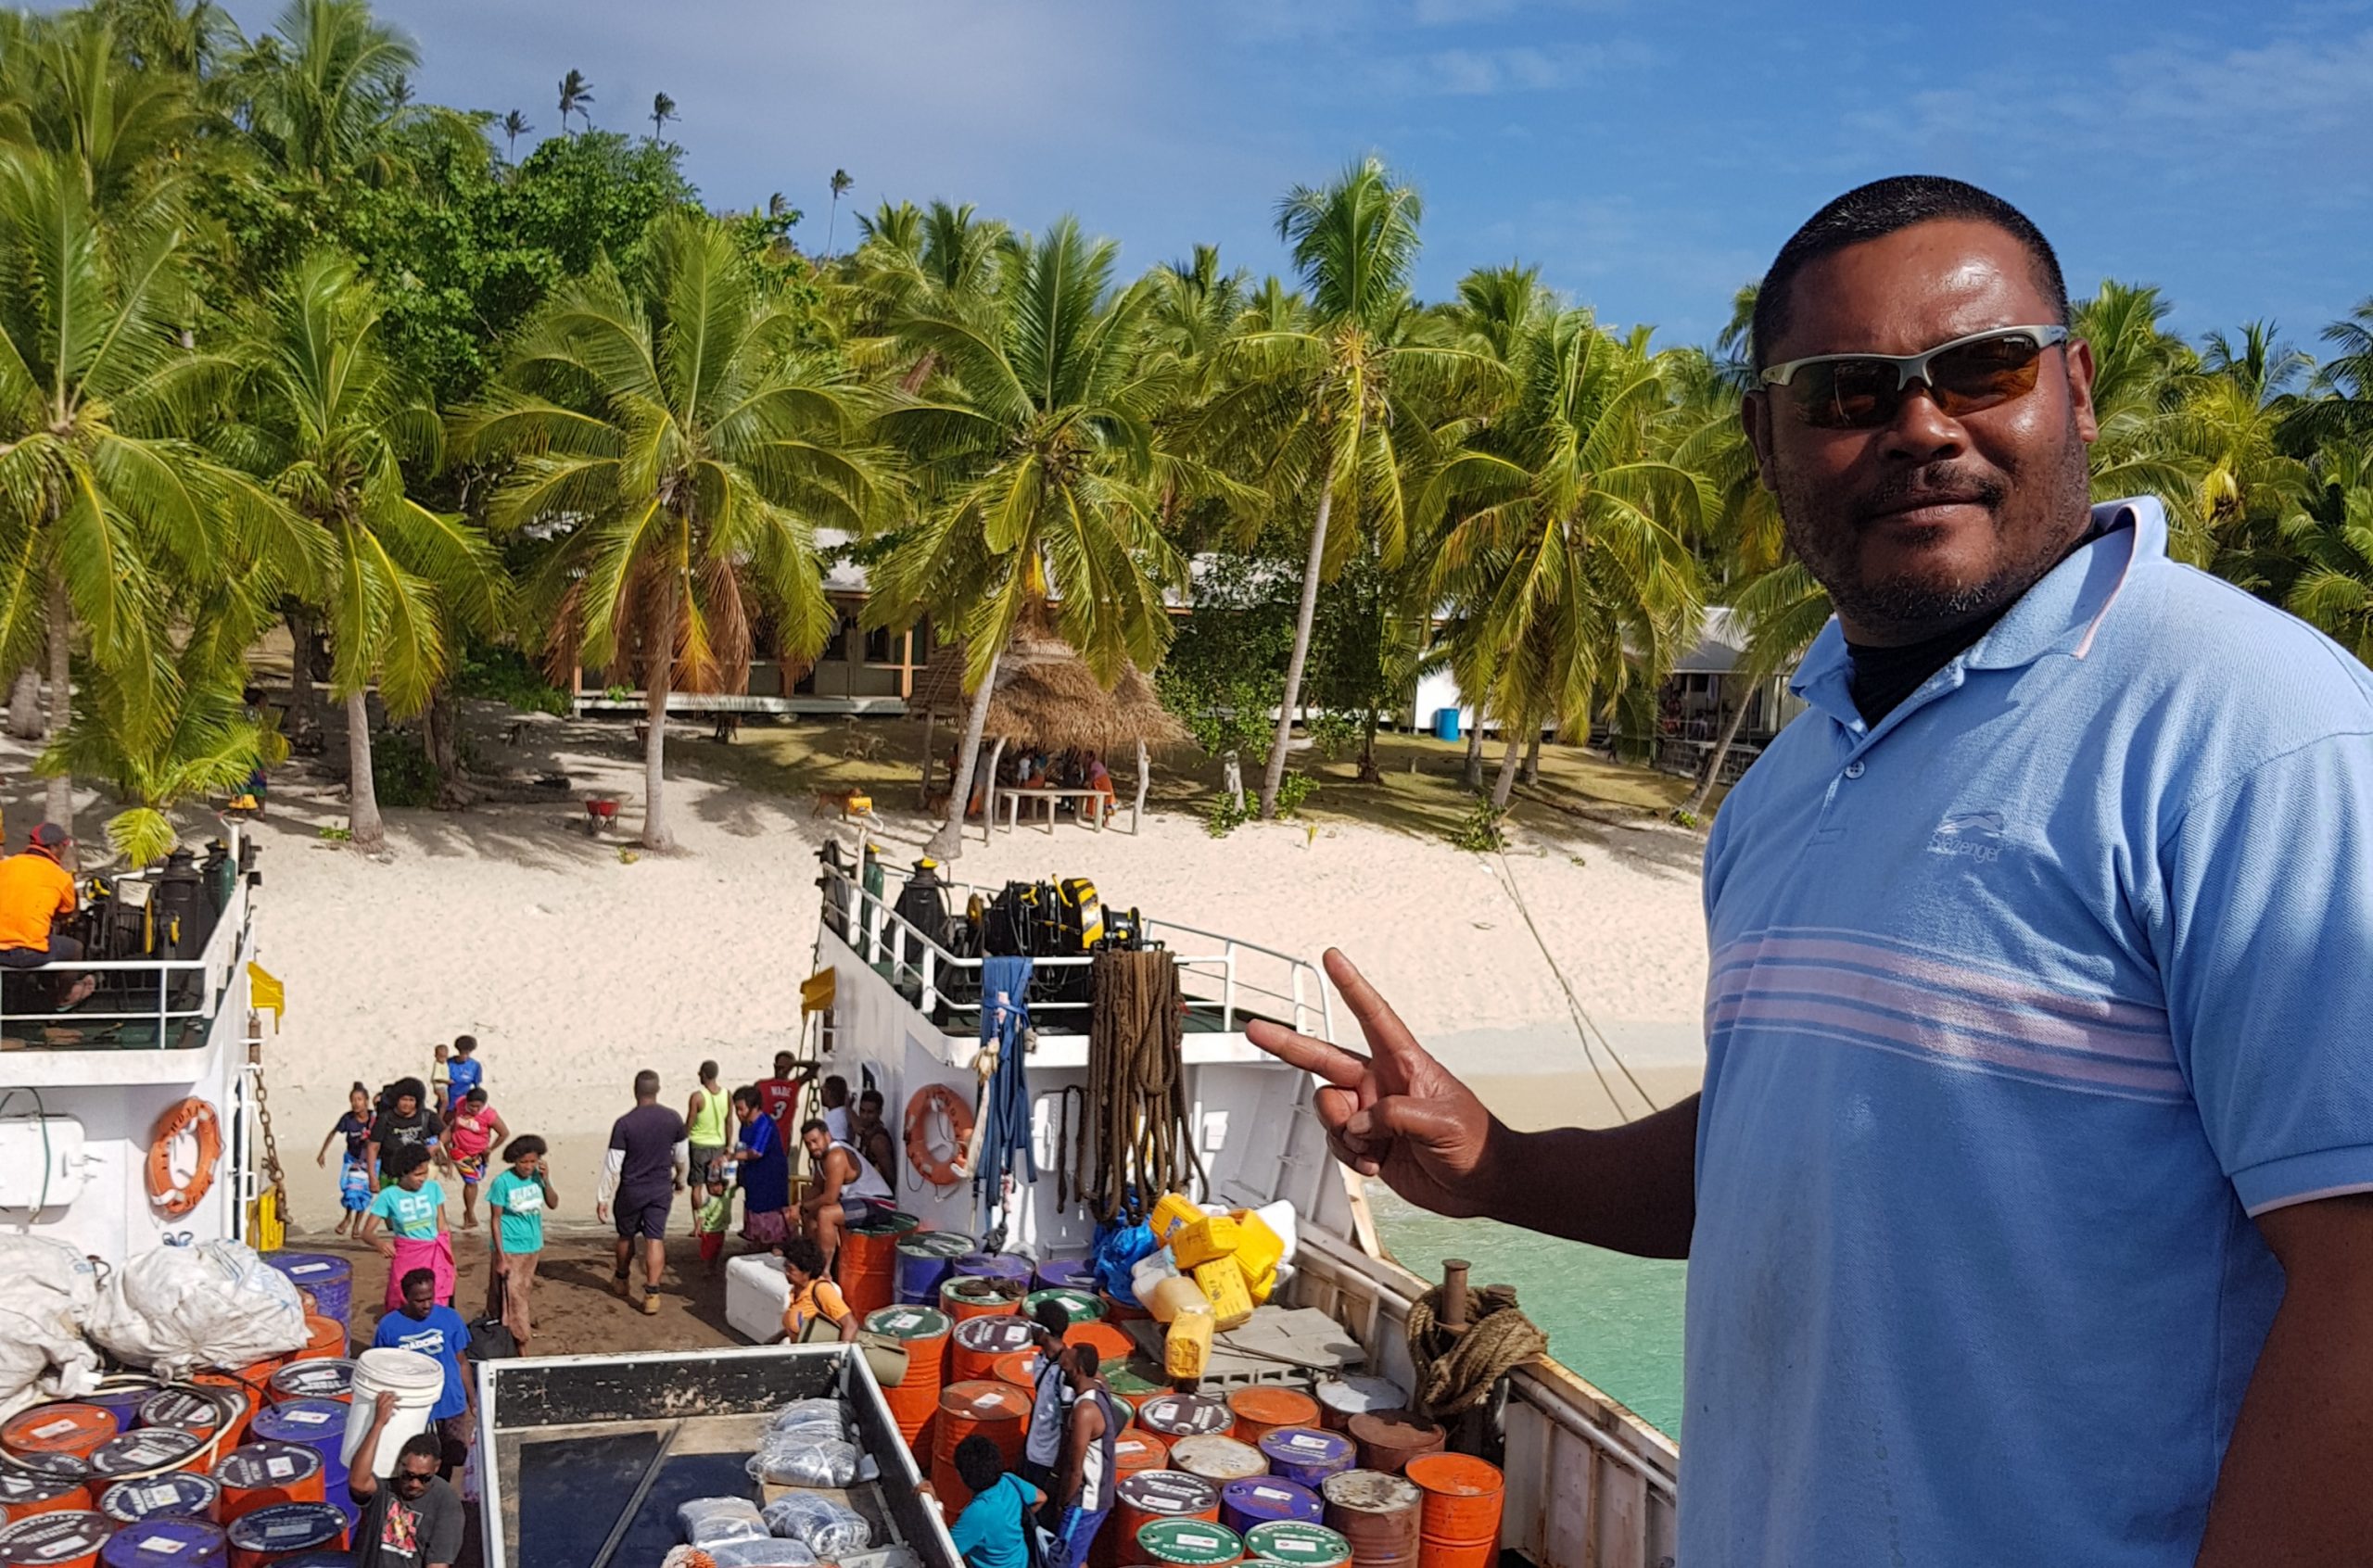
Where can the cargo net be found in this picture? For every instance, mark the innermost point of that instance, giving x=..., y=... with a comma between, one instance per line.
x=1135, y=1141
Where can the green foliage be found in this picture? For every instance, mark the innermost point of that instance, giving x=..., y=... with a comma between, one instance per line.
x=1225, y=816
x=1292, y=790
x=1332, y=732
x=401, y=773
x=1481, y=830
x=504, y=675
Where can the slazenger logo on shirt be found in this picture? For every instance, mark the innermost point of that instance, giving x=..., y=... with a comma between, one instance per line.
x=1976, y=834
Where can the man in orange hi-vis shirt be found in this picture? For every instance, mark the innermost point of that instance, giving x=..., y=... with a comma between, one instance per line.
x=35, y=888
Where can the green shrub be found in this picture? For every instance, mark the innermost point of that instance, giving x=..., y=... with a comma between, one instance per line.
x=1225, y=817
x=400, y=771
x=1333, y=732
x=1481, y=830
x=504, y=675
x=1292, y=790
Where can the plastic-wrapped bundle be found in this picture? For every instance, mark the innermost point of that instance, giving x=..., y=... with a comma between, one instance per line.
x=768, y=1553
x=707, y=1523
x=809, y=1413
x=829, y=1529
x=801, y=1456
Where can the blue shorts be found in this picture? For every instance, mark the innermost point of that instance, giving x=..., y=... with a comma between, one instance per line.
x=1077, y=1534
x=640, y=1216
x=354, y=1186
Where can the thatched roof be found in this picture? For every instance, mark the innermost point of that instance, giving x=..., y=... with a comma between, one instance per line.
x=1047, y=699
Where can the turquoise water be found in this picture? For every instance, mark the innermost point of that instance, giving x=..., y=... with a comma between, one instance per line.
x=1613, y=1318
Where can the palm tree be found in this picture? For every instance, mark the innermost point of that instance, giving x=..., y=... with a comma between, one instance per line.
x=943, y=258
x=840, y=184
x=575, y=93
x=667, y=428
x=327, y=89
x=2142, y=374
x=2341, y=407
x=2334, y=590
x=514, y=125
x=327, y=420
x=663, y=109
x=1571, y=535
x=1320, y=408
x=1039, y=469
x=104, y=508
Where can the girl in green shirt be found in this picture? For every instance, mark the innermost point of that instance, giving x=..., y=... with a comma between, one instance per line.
x=516, y=1202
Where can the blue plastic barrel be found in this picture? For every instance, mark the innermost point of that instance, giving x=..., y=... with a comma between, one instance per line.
x=185, y=1543
x=925, y=1259
x=1445, y=724
x=328, y=1276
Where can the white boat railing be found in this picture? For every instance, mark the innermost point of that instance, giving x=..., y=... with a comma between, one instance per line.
x=179, y=1002
x=1236, y=978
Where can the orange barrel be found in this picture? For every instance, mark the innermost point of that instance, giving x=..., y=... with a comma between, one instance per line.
x=62, y=1427
x=979, y=1344
x=179, y=1496
x=249, y=1396
x=257, y=1374
x=1340, y=1399
x=1389, y=1439
x=56, y=1540
x=1021, y=1368
x=1263, y=1407
x=1186, y=1415
x=259, y=1474
x=1146, y=1496
x=1300, y=1545
x=869, y=1262
x=1188, y=1543
x=1136, y=1451
x=273, y=1534
x=1459, y=1520
x=1379, y=1514
x=184, y=1410
x=324, y=1377
x=152, y=1450
x=916, y=1399
x=1217, y=1460
x=57, y=1488
x=325, y=1339
x=998, y=1411
x=978, y=1296
x=1111, y=1343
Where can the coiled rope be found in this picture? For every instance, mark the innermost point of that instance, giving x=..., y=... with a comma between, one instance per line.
x=1455, y=1375
x=1135, y=1142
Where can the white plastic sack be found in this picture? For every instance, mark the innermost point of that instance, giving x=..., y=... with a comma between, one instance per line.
x=803, y=1414
x=767, y=1553
x=827, y=1529
x=708, y=1520
x=1279, y=1217
x=801, y=1457
x=179, y=1307
x=46, y=1293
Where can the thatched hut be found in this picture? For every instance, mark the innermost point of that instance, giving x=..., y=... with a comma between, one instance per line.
x=1046, y=699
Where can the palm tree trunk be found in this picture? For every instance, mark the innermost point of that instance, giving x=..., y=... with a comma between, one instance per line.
x=1274, y=773
x=363, y=821
x=948, y=842
x=1472, y=778
x=441, y=725
x=659, y=677
x=1530, y=772
x=24, y=705
x=1506, y=784
x=301, y=673
x=1696, y=805
x=58, y=801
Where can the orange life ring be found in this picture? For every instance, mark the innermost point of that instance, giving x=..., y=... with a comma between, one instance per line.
x=198, y=1119
x=940, y=1171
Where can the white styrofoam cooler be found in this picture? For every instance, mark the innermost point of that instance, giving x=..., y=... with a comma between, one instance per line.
x=755, y=1296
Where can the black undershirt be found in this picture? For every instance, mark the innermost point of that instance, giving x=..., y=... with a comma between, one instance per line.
x=1884, y=677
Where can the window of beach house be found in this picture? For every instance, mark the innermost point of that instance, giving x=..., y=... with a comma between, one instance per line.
x=882, y=646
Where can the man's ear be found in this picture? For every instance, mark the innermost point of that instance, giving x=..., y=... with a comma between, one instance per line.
x=2081, y=371
x=1755, y=415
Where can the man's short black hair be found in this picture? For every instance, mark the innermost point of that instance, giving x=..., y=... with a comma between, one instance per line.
x=872, y=1095
x=1879, y=209
x=978, y=1463
x=422, y=1444
x=464, y=1044
x=646, y=1084
x=802, y=1254
x=1052, y=1317
x=814, y=1124
x=423, y=1275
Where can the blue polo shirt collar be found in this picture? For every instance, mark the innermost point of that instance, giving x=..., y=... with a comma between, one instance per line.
x=2059, y=615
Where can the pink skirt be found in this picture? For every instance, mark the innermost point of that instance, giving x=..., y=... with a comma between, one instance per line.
x=436, y=1255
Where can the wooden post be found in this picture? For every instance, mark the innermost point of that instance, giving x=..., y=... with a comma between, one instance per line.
x=989, y=792
x=924, y=801
x=1451, y=1318
x=1145, y=771
x=907, y=666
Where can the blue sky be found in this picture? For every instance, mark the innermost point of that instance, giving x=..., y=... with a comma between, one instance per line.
x=1647, y=156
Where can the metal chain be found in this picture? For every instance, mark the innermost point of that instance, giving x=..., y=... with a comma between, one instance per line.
x=270, y=1143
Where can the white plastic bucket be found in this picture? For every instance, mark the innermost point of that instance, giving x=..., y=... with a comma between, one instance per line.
x=416, y=1381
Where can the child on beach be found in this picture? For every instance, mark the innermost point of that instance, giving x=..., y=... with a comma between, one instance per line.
x=716, y=1213
x=517, y=1201
x=411, y=1207
x=441, y=1077
x=475, y=1127
x=463, y=1072
x=354, y=1166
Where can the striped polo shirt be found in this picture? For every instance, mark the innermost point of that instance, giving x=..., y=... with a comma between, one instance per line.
x=2022, y=1001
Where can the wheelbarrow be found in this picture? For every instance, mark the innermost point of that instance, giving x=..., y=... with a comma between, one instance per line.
x=601, y=814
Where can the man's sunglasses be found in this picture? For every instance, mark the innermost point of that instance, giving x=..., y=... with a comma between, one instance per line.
x=412, y=1478
x=1863, y=391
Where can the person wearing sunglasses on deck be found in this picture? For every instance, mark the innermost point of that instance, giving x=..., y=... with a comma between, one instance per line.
x=412, y=1519
x=2028, y=1200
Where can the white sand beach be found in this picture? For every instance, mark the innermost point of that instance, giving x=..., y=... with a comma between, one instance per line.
x=575, y=968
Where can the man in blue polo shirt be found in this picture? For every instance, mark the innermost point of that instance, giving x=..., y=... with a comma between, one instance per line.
x=2026, y=1201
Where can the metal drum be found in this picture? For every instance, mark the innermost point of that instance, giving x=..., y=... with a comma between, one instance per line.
x=1378, y=1515
x=1265, y=1499
x=1306, y=1457
x=926, y=1260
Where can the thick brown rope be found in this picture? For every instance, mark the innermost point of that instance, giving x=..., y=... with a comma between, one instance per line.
x=1135, y=1141
x=1455, y=1375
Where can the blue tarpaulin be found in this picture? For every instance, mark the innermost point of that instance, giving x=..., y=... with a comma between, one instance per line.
x=1005, y=1012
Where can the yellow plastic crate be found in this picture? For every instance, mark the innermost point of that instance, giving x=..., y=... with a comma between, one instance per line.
x=1223, y=1284
x=1203, y=1238
x=1173, y=1210
x=1259, y=1249
x=1187, y=1348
